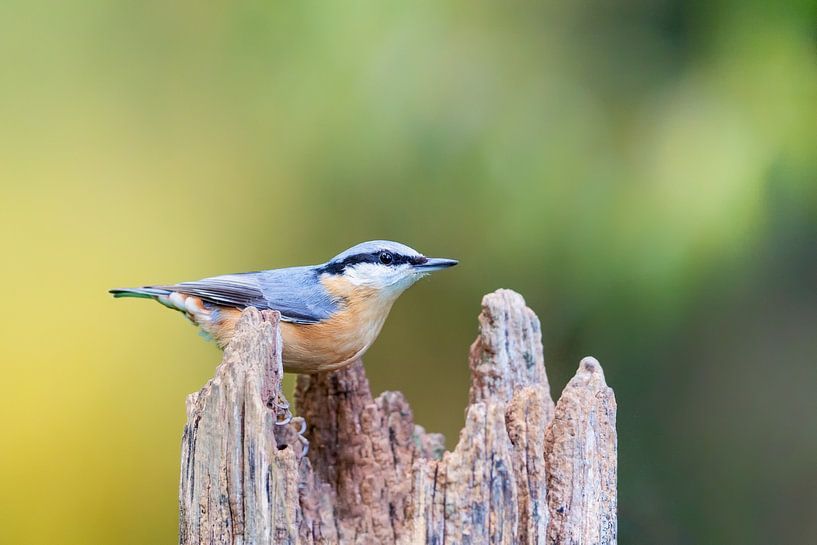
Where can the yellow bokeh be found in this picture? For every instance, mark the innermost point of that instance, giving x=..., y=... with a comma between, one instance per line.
x=638, y=173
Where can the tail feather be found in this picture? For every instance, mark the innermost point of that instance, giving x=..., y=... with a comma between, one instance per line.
x=215, y=323
x=144, y=293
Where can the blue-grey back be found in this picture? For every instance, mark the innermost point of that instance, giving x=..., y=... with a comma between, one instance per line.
x=296, y=292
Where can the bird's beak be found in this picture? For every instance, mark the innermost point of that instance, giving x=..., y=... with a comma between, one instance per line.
x=435, y=264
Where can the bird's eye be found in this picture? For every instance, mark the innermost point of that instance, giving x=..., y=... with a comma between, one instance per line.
x=386, y=258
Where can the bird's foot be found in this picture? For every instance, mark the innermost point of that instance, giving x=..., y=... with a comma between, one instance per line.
x=283, y=407
x=301, y=437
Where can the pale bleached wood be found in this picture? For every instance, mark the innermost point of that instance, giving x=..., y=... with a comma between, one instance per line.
x=491, y=487
x=236, y=485
x=581, y=449
x=373, y=476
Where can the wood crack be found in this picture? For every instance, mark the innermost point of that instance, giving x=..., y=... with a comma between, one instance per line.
x=523, y=471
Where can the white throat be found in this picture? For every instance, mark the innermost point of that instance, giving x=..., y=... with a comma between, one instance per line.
x=390, y=281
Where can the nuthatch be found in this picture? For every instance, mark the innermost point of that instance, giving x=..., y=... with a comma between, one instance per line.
x=330, y=313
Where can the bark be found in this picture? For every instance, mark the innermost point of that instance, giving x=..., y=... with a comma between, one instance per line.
x=580, y=454
x=522, y=471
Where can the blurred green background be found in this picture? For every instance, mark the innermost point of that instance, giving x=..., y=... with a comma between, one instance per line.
x=644, y=173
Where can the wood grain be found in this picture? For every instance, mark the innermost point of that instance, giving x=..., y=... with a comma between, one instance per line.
x=523, y=471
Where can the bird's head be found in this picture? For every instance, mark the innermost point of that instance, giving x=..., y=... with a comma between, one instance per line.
x=384, y=266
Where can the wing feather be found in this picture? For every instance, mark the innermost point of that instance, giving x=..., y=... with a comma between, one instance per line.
x=295, y=292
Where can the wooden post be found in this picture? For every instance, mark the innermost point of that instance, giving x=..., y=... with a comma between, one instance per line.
x=523, y=470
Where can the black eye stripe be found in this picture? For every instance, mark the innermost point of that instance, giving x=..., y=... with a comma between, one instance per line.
x=337, y=267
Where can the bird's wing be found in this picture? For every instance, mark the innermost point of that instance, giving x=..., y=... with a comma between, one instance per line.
x=295, y=292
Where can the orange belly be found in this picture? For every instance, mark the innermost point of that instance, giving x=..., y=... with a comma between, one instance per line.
x=324, y=346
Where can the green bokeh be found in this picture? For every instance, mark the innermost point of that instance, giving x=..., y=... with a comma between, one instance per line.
x=644, y=173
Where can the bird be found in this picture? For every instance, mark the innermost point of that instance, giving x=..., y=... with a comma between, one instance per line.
x=331, y=313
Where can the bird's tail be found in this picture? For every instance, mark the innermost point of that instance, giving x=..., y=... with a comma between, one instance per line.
x=144, y=293
x=215, y=323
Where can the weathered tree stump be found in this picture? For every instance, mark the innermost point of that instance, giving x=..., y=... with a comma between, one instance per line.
x=523, y=470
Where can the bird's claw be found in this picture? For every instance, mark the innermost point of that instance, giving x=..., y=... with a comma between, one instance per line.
x=281, y=404
x=301, y=437
x=287, y=419
x=287, y=413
